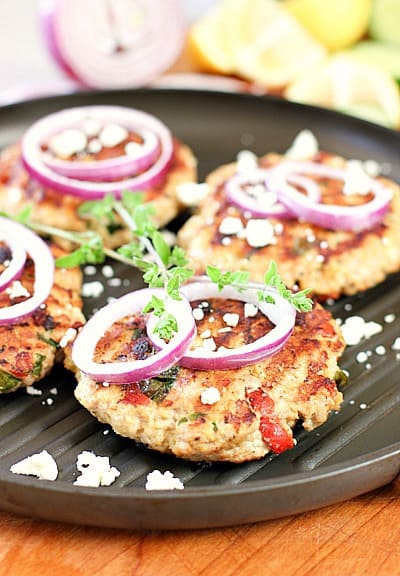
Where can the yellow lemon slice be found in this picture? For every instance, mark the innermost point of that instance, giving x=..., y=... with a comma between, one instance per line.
x=350, y=86
x=273, y=48
x=335, y=23
x=207, y=44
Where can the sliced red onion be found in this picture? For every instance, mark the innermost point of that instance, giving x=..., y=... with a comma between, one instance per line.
x=39, y=132
x=273, y=208
x=136, y=370
x=336, y=217
x=17, y=261
x=111, y=168
x=114, y=43
x=43, y=260
x=281, y=313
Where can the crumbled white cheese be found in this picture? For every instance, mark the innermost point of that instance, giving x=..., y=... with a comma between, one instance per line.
x=198, y=313
x=250, y=310
x=90, y=270
x=91, y=127
x=380, y=350
x=32, y=391
x=209, y=344
x=224, y=330
x=17, y=290
x=14, y=194
x=356, y=180
x=226, y=241
x=192, y=193
x=67, y=143
x=41, y=465
x=372, y=168
x=92, y=289
x=355, y=328
x=94, y=146
x=95, y=470
x=363, y=406
x=210, y=395
x=132, y=149
x=246, y=161
x=107, y=271
x=112, y=135
x=114, y=282
x=305, y=145
x=230, y=225
x=396, y=344
x=389, y=318
x=231, y=319
x=53, y=391
x=205, y=334
x=68, y=337
x=259, y=233
x=157, y=480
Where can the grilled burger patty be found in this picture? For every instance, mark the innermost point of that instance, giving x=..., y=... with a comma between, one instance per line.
x=18, y=190
x=307, y=255
x=258, y=405
x=29, y=348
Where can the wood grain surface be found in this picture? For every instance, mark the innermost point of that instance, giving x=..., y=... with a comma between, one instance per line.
x=360, y=537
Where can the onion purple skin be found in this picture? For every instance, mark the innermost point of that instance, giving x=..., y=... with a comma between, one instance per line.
x=136, y=370
x=153, y=176
x=243, y=201
x=17, y=263
x=82, y=61
x=43, y=260
x=351, y=218
x=110, y=169
x=282, y=314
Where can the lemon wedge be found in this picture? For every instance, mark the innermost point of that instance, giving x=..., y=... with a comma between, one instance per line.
x=206, y=43
x=336, y=23
x=350, y=86
x=256, y=39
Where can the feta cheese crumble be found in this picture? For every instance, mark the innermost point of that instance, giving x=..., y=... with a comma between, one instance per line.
x=246, y=161
x=17, y=290
x=250, y=310
x=157, y=480
x=67, y=143
x=92, y=289
x=259, y=233
x=230, y=225
x=231, y=319
x=210, y=396
x=356, y=180
x=68, y=337
x=32, y=391
x=112, y=135
x=305, y=145
x=198, y=313
x=355, y=328
x=95, y=470
x=41, y=465
x=192, y=193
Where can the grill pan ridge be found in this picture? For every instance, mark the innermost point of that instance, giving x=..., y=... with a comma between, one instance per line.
x=357, y=450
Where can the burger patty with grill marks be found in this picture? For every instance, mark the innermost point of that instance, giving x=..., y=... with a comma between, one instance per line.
x=256, y=407
x=30, y=347
x=18, y=190
x=329, y=262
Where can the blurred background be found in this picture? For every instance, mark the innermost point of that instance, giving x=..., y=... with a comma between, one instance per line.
x=343, y=54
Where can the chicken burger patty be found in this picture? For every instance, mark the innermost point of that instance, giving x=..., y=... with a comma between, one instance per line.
x=329, y=262
x=19, y=190
x=29, y=348
x=222, y=415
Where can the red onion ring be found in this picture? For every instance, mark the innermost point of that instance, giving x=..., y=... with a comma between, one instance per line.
x=133, y=371
x=282, y=314
x=17, y=261
x=238, y=197
x=113, y=43
x=43, y=260
x=32, y=154
x=110, y=168
x=355, y=218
